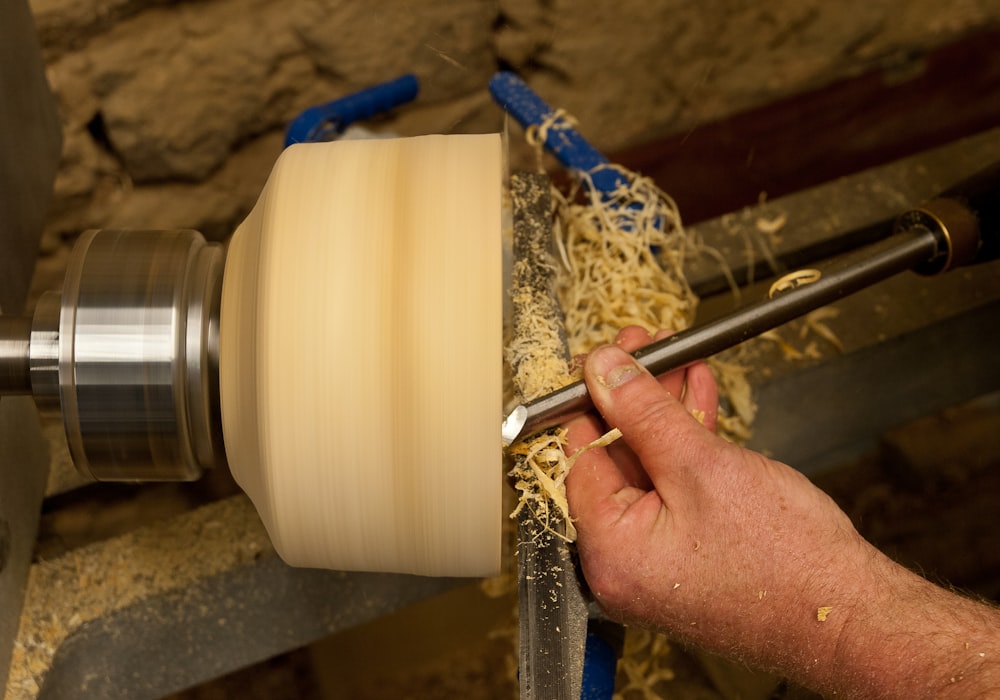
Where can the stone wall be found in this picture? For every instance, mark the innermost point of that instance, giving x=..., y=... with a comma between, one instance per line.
x=173, y=112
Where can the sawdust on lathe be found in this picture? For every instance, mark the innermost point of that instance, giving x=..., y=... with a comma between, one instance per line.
x=92, y=582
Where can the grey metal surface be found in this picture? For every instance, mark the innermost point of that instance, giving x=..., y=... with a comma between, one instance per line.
x=30, y=140
x=139, y=391
x=128, y=353
x=43, y=352
x=552, y=614
x=23, y=470
x=15, y=336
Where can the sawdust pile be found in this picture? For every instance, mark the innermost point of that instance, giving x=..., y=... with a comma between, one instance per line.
x=622, y=262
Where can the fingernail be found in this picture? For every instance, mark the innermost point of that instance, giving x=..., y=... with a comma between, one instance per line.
x=613, y=366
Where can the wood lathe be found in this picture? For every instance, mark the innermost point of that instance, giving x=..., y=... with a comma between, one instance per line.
x=165, y=356
x=133, y=352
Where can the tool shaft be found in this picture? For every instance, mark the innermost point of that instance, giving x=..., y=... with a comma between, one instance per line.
x=902, y=251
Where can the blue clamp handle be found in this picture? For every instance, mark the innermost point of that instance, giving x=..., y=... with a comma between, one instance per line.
x=565, y=142
x=327, y=121
x=600, y=666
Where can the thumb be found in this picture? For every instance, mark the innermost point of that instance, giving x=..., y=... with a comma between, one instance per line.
x=652, y=421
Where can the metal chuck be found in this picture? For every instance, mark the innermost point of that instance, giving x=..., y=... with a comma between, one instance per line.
x=128, y=352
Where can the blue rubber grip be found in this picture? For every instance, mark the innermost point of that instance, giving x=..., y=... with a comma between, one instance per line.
x=326, y=121
x=600, y=664
x=566, y=143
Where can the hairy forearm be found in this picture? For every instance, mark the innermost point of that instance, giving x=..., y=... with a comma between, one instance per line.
x=908, y=638
x=849, y=622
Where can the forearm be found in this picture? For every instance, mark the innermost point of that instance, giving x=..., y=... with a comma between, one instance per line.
x=852, y=623
x=908, y=638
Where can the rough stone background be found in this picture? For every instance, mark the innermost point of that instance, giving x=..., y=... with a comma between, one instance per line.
x=173, y=112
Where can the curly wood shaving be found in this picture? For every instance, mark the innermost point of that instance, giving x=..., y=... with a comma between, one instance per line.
x=541, y=476
x=813, y=323
x=771, y=226
x=537, y=134
x=793, y=280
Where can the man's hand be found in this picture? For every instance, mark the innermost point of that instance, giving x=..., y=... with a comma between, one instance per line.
x=684, y=532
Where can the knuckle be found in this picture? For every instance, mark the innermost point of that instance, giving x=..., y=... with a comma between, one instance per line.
x=650, y=419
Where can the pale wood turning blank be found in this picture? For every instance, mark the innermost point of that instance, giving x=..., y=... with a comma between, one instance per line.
x=360, y=355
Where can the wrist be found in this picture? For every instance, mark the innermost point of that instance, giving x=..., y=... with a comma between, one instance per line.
x=816, y=626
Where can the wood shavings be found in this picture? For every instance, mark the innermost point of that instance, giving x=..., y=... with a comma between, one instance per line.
x=788, y=351
x=94, y=582
x=759, y=239
x=534, y=378
x=815, y=322
x=611, y=276
x=537, y=134
x=734, y=423
x=793, y=280
x=643, y=665
x=537, y=357
x=540, y=477
x=771, y=226
x=536, y=351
